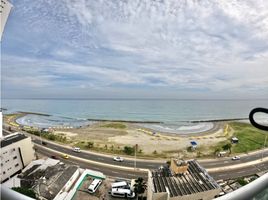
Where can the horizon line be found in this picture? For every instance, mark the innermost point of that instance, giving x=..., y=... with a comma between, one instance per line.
x=118, y=98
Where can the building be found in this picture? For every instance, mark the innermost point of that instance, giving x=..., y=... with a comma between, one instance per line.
x=5, y=8
x=189, y=182
x=52, y=179
x=16, y=153
x=178, y=166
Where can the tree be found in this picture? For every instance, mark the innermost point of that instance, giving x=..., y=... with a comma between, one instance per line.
x=227, y=146
x=128, y=150
x=168, y=163
x=139, y=186
x=90, y=145
x=26, y=191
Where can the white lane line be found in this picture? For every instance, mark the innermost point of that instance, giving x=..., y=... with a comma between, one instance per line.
x=209, y=164
x=131, y=175
x=115, y=172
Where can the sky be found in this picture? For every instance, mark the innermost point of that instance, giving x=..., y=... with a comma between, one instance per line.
x=136, y=49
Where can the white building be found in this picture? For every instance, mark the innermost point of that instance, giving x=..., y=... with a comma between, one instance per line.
x=5, y=8
x=16, y=152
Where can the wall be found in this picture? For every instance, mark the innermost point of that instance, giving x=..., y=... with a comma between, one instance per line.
x=11, y=161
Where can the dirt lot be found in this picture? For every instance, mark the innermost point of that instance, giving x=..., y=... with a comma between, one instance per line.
x=101, y=193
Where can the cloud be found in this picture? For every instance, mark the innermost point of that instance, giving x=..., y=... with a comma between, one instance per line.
x=213, y=46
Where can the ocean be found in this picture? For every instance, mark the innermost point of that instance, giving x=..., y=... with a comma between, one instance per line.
x=136, y=109
x=174, y=114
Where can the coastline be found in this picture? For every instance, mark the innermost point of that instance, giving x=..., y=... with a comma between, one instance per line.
x=109, y=137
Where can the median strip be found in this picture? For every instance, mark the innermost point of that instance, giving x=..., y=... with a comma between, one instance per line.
x=94, y=162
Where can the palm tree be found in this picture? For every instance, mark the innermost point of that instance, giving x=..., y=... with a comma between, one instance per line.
x=139, y=186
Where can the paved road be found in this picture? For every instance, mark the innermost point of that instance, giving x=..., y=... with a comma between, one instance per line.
x=129, y=175
x=153, y=164
x=236, y=173
x=221, y=162
x=106, y=170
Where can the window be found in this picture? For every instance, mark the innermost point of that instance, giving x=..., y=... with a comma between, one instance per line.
x=17, y=165
x=15, y=157
x=4, y=172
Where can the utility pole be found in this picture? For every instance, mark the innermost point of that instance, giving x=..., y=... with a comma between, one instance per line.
x=263, y=147
x=135, y=162
x=40, y=138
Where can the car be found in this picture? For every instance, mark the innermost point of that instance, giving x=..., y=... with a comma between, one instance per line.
x=65, y=156
x=77, y=149
x=43, y=143
x=236, y=158
x=94, y=185
x=118, y=159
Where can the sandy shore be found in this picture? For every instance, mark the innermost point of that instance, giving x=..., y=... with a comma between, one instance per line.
x=151, y=142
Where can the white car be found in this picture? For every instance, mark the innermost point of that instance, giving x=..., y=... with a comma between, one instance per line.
x=118, y=159
x=77, y=149
x=236, y=158
x=94, y=185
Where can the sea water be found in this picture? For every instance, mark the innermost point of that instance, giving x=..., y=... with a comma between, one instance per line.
x=173, y=114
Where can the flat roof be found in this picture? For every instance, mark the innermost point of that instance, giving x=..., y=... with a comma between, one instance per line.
x=48, y=180
x=9, y=139
x=195, y=180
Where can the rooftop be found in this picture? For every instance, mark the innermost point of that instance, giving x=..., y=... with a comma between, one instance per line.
x=9, y=139
x=47, y=179
x=195, y=180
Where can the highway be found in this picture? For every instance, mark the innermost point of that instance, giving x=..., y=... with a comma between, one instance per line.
x=219, y=162
x=119, y=172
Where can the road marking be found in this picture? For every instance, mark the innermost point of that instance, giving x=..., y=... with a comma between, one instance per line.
x=131, y=175
x=115, y=172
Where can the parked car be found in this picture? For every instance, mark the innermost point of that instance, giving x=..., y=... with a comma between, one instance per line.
x=77, y=149
x=118, y=159
x=44, y=143
x=65, y=156
x=94, y=185
x=236, y=158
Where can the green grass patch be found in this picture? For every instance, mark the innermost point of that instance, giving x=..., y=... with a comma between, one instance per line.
x=250, y=138
x=114, y=125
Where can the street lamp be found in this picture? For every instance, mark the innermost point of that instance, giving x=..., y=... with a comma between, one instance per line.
x=135, y=164
x=263, y=147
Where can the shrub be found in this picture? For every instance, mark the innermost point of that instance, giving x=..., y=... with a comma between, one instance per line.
x=129, y=150
x=90, y=145
x=26, y=191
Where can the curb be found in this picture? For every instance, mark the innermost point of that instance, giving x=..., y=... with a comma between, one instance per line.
x=94, y=162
